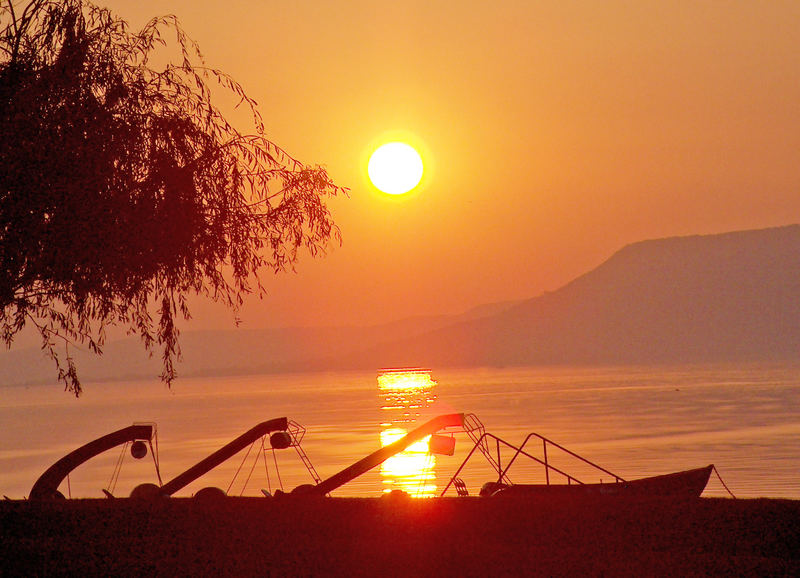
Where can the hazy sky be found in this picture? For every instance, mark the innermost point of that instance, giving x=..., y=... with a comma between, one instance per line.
x=553, y=133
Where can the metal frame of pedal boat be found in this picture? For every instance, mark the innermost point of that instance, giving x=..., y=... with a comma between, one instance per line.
x=449, y=423
x=46, y=487
x=502, y=472
x=377, y=457
x=278, y=425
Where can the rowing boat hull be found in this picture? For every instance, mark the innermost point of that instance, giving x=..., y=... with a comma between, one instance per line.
x=678, y=485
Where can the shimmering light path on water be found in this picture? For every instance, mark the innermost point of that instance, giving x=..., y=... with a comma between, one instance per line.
x=633, y=421
x=407, y=395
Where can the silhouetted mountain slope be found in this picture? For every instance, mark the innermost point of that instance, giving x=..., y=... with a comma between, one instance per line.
x=734, y=296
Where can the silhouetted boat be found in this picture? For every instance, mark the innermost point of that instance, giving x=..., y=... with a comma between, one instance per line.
x=678, y=485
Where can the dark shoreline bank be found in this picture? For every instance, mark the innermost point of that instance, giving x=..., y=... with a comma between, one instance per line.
x=400, y=537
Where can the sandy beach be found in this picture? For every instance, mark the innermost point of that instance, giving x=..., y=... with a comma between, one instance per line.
x=400, y=537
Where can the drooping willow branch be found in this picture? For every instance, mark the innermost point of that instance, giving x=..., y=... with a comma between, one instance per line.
x=125, y=189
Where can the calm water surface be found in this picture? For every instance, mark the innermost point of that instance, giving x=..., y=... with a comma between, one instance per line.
x=633, y=421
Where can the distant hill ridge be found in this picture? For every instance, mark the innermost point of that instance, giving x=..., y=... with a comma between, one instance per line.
x=731, y=296
x=726, y=297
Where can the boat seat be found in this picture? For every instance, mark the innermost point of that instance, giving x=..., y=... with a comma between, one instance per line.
x=461, y=487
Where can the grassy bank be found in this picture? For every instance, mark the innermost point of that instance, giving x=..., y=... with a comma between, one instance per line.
x=399, y=537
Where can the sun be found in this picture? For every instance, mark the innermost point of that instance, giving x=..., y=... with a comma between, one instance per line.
x=395, y=168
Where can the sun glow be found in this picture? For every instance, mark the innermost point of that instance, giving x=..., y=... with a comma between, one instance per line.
x=395, y=168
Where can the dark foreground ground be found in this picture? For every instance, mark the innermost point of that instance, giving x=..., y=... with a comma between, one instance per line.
x=400, y=537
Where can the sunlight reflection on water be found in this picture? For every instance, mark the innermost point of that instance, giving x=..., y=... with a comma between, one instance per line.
x=405, y=394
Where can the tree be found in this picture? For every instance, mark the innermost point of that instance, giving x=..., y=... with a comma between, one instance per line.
x=123, y=188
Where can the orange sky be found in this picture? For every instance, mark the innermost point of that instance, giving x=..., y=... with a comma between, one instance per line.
x=554, y=133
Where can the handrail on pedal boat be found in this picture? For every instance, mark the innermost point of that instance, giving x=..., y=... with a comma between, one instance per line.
x=502, y=472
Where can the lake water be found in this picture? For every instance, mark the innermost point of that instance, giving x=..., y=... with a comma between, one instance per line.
x=633, y=421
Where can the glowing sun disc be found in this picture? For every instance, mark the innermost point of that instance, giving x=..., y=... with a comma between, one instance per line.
x=395, y=168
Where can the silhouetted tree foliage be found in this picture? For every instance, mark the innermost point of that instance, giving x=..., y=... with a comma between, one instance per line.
x=124, y=189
